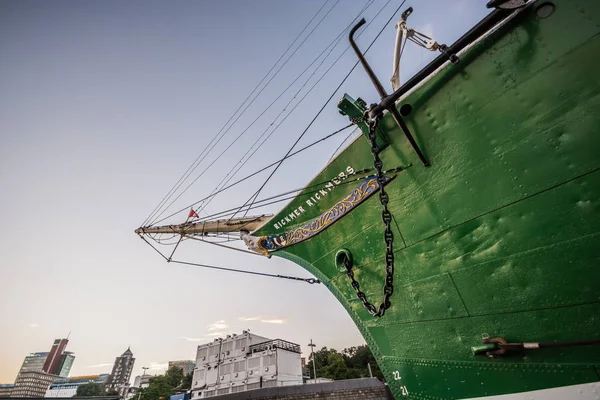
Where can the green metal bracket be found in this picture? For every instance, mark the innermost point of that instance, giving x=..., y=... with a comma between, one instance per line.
x=355, y=110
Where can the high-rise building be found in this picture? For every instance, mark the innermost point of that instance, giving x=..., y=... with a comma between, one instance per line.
x=32, y=384
x=243, y=362
x=53, y=361
x=34, y=362
x=64, y=366
x=121, y=373
x=186, y=365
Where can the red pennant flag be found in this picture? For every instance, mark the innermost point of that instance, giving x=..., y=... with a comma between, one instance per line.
x=193, y=214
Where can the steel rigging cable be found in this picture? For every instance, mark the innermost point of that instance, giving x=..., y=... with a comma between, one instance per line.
x=291, y=154
x=254, y=173
x=191, y=168
x=295, y=278
x=337, y=39
x=254, y=196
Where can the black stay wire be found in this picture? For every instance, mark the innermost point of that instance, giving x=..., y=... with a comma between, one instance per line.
x=252, y=150
x=191, y=168
x=255, y=195
x=291, y=154
x=295, y=278
x=334, y=42
x=287, y=155
x=254, y=173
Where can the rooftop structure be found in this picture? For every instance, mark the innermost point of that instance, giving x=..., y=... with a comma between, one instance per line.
x=244, y=362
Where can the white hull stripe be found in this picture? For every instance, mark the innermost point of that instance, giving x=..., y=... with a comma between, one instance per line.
x=585, y=391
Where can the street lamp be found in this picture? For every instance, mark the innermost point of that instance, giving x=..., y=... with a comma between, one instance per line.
x=312, y=345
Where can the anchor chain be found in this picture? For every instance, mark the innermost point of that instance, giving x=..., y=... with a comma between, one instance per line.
x=388, y=235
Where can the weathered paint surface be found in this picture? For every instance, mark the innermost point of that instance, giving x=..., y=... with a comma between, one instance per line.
x=501, y=235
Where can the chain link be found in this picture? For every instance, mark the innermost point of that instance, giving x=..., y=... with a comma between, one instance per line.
x=388, y=235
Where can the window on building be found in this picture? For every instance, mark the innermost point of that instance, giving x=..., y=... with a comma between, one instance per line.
x=269, y=360
x=253, y=362
x=199, y=374
x=213, y=350
x=239, y=343
x=239, y=366
x=223, y=391
x=251, y=386
x=236, y=389
x=224, y=369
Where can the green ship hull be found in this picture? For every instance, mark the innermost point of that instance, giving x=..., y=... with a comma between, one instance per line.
x=499, y=237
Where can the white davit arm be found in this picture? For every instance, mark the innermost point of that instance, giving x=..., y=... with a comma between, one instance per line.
x=401, y=34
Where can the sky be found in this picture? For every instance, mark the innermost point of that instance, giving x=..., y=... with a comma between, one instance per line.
x=105, y=104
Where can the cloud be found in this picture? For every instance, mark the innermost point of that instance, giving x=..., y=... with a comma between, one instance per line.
x=217, y=326
x=273, y=321
x=249, y=318
x=192, y=339
x=264, y=319
x=216, y=334
x=99, y=365
x=33, y=325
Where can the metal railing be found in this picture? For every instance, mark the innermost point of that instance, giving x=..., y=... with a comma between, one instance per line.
x=275, y=344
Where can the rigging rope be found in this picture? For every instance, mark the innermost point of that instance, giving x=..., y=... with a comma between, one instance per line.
x=334, y=43
x=317, y=186
x=307, y=280
x=191, y=168
x=253, y=174
x=255, y=195
x=250, y=153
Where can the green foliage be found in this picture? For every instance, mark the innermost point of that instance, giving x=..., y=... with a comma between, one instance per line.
x=162, y=386
x=175, y=376
x=90, y=389
x=358, y=357
x=186, y=383
x=350, y=364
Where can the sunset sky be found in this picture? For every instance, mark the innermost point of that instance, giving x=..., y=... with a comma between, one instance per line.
x=104, y=105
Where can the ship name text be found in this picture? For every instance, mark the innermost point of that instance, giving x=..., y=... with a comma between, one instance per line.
x=315, y=197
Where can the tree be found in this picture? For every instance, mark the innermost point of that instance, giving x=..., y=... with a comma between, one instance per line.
x=159, y=388
x=186, y=383
x=175, y=376
x=162, y=386
x=336, y=368
x=358, y=357
x=90, y=389
x=321, y=360
x=351, y=363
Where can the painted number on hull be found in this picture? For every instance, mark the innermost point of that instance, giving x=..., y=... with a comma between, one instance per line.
x=397, y=377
